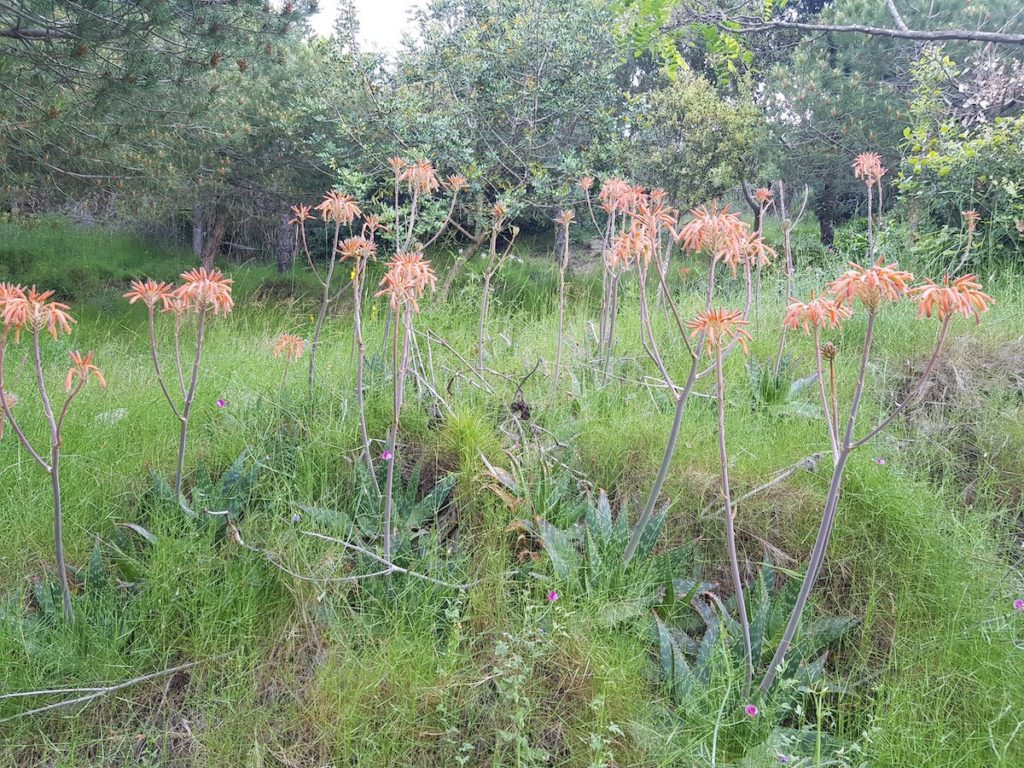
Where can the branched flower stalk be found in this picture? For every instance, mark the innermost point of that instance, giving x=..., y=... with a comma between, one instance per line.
x=764, y=198
x=35, y=313
x=499, y=217
x=721, y=236
x=341, y=210
x=563, y=220
x=202, y=294
x=407, y=279
x=720, y=328
x=871, y=287
x=359, y=250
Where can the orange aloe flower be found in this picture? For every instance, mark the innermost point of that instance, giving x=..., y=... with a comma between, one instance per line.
x=34, y=310
x=720, y=327
x=339, y=208
x=871, y=285
x=585, y=183
x=633, y=245
x=149, y=292
x=289, y=345
x=499, y=212
x=81, y=369
x=971, y=219
x=763, y=195
x=717, y=232
x=407, y=278
x=565, y=218
x=357, y=248
x=420, y=176
x=397, y=164
x=456, y=183
x=819, y=312
x=614, y=194
x=203, y=288
x=868, y=166
x=963, y=295
x=758, y=253
x=300, y=214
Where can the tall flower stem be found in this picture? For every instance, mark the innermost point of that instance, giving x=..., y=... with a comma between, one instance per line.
x=357, y=330
x=666, y=460
x=730, y=529
x=613, y=311
x=563, y=263
x=398, y=390
x=827, y=518
x=190, y=395
x=325, y=302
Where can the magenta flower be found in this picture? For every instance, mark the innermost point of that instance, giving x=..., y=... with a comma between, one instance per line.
x=784, y=759
x=751, y=710
x=552, y=596
x=880, y=461
x=1018, y=604
x=387, y=456
x=222, y=403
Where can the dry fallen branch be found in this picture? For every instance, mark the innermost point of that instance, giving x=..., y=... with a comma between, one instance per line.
x=92, y=693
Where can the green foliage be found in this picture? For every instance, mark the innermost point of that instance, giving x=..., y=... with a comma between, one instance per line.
x=691, y=141
x=952, y=167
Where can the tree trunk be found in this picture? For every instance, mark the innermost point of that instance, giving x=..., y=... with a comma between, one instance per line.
x=213, y=243
x=197, y=230
x=754, y=206
x=286, y=244
x=468, y=252
x=825, y=208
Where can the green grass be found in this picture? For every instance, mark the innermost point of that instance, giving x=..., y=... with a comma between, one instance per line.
x=400, y=672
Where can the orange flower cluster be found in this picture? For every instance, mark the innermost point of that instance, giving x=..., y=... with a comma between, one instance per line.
x=339, y=208
x=22, y=308
x=720, y=327
x=868, y=166
x=871, y=285
x=300, y=214
x=723, y=235
x=633, y=245
x=882, y=282
x=420, y=176
x=963, y=295
x=763, y=195
x=202, y=288
x=82, y=367
x=565, y=218
x=819, y=312
x=289, y=345
x=205, y=289
x=619, y=196
x=357, y=248
x=408, y=277
x=971, y=219
x=585, y=183
x=456, y=183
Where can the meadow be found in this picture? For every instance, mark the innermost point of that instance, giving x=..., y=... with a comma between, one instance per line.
x=293, y=666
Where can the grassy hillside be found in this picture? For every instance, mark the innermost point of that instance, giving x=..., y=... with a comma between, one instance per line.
x=399, y=671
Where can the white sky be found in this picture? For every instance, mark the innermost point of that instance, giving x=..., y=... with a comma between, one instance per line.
x=381, y=22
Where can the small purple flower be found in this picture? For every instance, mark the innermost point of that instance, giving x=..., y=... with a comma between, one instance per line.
x=296, y=518
x=222, y=403
x=1018, y=604
x=751, y=710
x=880, y=461
x=784, y=759
x=387, y=456
x=552, y=596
